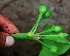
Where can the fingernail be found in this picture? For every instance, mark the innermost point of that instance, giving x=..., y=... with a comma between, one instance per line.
x=9, y=41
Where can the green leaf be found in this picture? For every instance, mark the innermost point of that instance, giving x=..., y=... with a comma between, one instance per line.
x=62, y=48
x=57, y=39
x=47, y=26
x=62, y=44
x=46, y=52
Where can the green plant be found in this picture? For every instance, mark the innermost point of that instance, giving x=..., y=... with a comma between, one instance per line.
x=54, y=41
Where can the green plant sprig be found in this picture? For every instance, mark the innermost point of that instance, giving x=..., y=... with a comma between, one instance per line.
x=54, y=41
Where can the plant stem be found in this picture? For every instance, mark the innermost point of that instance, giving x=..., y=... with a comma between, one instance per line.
x=21, y=36
x=38, y=21
x=33, y=28
x=44, y=44
x=50, y=30
x=50, y=35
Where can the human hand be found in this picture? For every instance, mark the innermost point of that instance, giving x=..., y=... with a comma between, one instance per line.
x=6, y=28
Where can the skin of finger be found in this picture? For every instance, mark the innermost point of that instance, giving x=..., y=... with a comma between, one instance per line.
x=3, y=38
x=7, y=25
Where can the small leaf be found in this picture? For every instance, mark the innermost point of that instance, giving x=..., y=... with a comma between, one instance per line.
x=47, y=26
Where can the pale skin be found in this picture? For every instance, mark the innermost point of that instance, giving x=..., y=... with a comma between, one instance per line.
x=6, y=28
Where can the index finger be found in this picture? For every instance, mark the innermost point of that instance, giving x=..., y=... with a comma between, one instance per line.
x=7, y=25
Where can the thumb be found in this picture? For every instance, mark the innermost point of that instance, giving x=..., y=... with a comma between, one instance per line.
x=6, y=40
